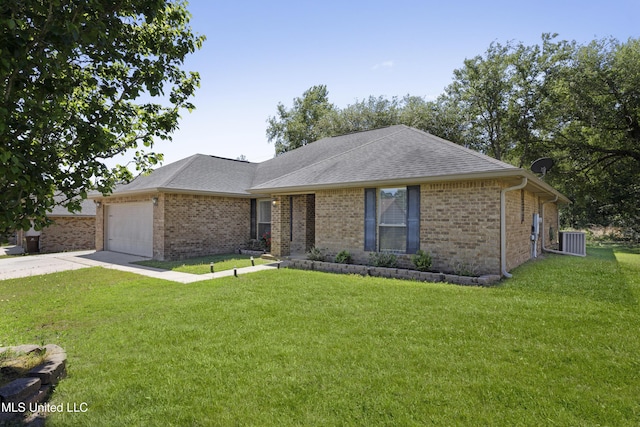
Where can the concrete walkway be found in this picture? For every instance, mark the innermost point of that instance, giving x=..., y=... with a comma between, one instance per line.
x=32, y=265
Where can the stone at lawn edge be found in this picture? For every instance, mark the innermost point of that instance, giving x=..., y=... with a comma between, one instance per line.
x=54, y=349
x=20, y=389
x=27, y=349
x=50, y=371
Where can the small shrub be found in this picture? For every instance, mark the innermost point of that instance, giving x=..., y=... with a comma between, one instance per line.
x=265, y=241
x=315, y=254
x=254, y=245
x=421, y=260
x=344, y=257
x=465, y=269
x=383, y=259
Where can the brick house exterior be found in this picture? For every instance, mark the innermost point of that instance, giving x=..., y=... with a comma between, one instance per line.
x=188, y=225
x=69, y=231
x=393, y=189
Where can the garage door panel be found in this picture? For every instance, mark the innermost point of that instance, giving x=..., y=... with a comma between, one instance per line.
x=130, y=228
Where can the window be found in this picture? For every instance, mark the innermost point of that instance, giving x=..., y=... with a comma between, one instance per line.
x=392, y=219
x=264, y=217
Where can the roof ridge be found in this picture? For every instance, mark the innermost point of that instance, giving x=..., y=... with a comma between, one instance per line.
x=337, y=155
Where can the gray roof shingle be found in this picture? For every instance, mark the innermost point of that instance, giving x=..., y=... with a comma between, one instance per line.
x=87, y=208
x=396, y=154
x=390, y=154
x=198, y=173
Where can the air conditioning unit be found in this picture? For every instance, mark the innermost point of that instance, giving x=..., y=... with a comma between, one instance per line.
x=573, y=242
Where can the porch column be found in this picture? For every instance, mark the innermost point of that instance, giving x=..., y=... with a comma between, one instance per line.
x=100, y=225
x=281, y=227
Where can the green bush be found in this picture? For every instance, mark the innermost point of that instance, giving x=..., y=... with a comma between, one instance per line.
x=421, y=260
x=315, y=254
x=344, y=257
x=383, y=259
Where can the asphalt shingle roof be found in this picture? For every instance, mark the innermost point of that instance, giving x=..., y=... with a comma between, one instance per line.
x=393, y=154
x=389, y=154
x=197, y=173
x=87, y=208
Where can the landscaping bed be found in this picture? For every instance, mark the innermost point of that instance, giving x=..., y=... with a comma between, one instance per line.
x=389, y=272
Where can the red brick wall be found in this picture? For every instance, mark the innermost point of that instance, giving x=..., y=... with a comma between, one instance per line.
x=460, y=225
x=68, y=234
x=186, y=226
x=197, y=225
x=303, y=232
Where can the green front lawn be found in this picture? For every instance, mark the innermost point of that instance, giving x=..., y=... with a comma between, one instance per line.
x=202, y=265
x=556, y=345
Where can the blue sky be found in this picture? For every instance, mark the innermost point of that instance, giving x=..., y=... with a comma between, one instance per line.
x=260, y=53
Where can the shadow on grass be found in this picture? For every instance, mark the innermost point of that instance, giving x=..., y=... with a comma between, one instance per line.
x=598, y=276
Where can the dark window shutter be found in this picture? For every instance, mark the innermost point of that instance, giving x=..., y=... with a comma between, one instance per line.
x=291, y=218
x=254, y=220
x=370, y=219
x=413, y=219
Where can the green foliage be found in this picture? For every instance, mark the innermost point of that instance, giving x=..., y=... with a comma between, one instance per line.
x=462, y=268
x=78, y=83
x=316, y=254
x=383, y=259
x=578, y=104
x=598, y=127
x=344, y=257
x=299, y=126
x=421, y=260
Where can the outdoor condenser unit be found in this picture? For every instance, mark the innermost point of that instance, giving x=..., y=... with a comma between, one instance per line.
x=573, y=242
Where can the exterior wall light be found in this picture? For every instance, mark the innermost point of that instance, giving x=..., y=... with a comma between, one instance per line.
x=98, y=203
x=155, y=201
x=274, y=201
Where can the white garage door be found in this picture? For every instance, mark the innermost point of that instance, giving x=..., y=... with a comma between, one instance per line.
x=130, y=228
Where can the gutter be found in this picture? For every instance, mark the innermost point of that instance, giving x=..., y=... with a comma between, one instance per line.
x=503, y=225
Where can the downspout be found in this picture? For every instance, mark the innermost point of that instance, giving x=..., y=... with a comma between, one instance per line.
x=503, y=226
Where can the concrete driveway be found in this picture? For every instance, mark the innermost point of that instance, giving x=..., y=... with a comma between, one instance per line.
x=34, y=265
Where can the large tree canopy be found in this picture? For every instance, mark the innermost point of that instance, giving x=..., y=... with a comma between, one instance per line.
x=82, y=81
x=579, y=104
x=597, y=130
x=300, y=125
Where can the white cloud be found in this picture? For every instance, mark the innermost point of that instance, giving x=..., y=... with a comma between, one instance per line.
x=385, y=64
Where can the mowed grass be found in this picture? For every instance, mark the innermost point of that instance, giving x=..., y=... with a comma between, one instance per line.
x=556, y=345
x=202, y=265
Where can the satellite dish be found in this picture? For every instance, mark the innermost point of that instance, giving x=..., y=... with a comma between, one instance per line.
x=542, y=165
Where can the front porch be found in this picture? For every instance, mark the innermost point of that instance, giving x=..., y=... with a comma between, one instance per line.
x=293, y=219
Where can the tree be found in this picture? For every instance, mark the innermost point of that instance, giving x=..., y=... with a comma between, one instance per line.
x=78, y=84
x=313, y=117
x=371, y=113
x=440, y=117
x=300, y=125
x=598, y=128
x=481, y=91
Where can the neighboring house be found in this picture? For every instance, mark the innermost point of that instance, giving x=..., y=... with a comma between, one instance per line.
x=69, y=232
x=395, y=189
